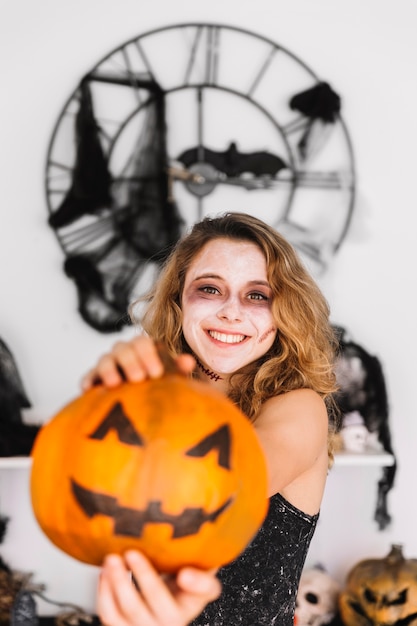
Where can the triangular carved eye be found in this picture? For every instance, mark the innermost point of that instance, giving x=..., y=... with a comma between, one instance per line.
x=400, y=599
x=118, y=421
x=370, y=595
x=220, y=441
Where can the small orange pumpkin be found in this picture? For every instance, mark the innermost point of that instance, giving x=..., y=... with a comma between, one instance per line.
x=168, y=466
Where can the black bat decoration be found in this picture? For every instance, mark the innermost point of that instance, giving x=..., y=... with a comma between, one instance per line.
x=234, y=163
x=129, y=522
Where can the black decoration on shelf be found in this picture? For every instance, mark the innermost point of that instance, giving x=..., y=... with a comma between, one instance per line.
x=24, y=611
x=362, y=388
x=3, y=528
x=13, y=396
x=16, y=437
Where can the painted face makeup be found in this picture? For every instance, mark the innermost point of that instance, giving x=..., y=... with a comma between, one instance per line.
x=226, y=303
x=207, y=372
x=269, y=332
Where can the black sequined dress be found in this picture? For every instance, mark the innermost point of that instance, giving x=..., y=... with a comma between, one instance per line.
x=260, y=586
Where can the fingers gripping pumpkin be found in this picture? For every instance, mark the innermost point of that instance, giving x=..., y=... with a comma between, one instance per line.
x=168, y=466
x=381, y=592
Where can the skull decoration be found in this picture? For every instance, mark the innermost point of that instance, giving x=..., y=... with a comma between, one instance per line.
x=167, y=466
x=381, y=592
x=354, y=433
x=317, y=598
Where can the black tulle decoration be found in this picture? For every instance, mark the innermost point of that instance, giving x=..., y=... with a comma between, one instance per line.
x=107, y=254
x=148, y=219
x=318, y=102
x=363, y=389
x=16, y=437
x=321, y=106
x=13, y=396
x=98, y=307
x=3, y=529
x=90, y=189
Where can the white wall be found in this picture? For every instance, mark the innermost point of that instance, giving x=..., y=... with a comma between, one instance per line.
x=367, y=50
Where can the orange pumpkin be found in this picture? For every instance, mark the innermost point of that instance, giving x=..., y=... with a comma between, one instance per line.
x=168, y=466
x=381, y=591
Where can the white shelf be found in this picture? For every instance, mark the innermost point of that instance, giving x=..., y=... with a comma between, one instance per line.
x=341, y=458
x=15, y=462
x=370, y=457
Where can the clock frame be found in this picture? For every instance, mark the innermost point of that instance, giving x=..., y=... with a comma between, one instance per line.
x=202, y=119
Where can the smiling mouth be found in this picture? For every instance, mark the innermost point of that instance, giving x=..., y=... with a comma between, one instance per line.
x=226, y=338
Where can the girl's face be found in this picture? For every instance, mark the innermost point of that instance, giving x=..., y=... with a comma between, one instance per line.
x=226, y=305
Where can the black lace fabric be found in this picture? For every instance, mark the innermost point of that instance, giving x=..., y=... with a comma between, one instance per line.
x=114, y=226
x=260, y=586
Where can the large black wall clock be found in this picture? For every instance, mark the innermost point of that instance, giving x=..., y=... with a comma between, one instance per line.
x=181, y=122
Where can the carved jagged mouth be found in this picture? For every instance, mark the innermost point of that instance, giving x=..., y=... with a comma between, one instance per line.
x=406, y=621
x=129, y=522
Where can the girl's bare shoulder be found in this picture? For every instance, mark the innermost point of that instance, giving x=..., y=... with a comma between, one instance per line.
x=293, y=431
x=294, y=407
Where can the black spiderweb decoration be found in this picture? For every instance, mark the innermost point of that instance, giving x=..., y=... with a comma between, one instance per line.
x=112, y=227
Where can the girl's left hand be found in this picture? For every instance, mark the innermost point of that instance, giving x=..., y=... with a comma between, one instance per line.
x=154, y=600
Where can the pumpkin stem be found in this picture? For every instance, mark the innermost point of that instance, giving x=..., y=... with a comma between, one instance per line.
x=396, y=554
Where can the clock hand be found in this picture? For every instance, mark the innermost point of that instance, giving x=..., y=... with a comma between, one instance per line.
x=262, y=182
x=181, y=173
x=202, y=178
x=190, y=178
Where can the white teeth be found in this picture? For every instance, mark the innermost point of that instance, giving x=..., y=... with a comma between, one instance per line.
x=226, y=338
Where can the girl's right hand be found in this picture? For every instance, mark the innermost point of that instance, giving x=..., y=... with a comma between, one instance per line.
x=152, y=600
x=134, y=360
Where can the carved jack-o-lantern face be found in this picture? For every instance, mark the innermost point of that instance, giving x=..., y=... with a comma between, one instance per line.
x=381, y=592
x=168, y=466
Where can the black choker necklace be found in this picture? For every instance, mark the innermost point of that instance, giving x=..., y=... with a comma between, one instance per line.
x=212, y=375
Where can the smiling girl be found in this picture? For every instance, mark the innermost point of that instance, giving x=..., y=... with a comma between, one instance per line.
x=236, y=308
